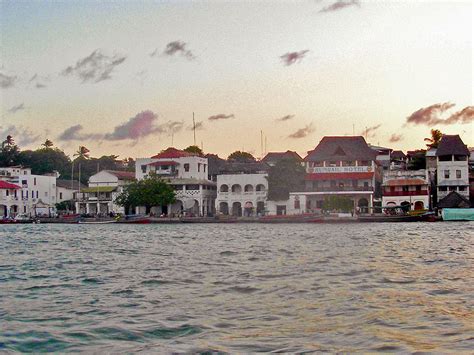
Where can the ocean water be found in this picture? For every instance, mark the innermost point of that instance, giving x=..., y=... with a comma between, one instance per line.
x=237, y=288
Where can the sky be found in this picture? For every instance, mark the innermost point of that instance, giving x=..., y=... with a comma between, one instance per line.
x=125, y=77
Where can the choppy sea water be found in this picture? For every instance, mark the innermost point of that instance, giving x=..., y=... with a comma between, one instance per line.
x=237, y=287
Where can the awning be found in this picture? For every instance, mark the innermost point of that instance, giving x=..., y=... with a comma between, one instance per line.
x=99, y=189
x=404, y=182
x=338, y=176
x=8, y=186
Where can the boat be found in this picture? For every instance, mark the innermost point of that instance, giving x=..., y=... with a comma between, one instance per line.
x=457, y=214
x=135, y=219
x=390, y=218
x=96, y=221
x=297, y=218
x=8, y=221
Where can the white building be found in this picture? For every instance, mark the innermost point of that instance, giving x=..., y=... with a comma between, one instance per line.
x=452, y=167
x=188, y=174
x=410, y=187
x=67, y=190
x=104, y=187
x=242, y=194
x=10, y=201
x=38, y=192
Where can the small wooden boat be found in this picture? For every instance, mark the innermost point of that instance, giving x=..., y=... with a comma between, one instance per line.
x=97, y=221
x=135, y=219
x=390, y=218
x=457, y=214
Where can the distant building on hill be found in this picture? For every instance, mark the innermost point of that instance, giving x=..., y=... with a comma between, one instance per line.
x=274, y=157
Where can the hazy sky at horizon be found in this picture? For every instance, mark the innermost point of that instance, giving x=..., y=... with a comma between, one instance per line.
x=119, y=77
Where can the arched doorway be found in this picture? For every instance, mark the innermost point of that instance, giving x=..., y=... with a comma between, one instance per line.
x=237, y=209
x=224, y=208
x=177, y=208
x=3, y=211
x=419, y=205
x=248, y=209
x=363, y=205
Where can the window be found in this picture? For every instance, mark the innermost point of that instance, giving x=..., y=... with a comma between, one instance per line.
x=7, y=192
x=333, y=163
x=452, y=188
x=392, y=188
x=199, y=167
x=446, y=174
x=192, y=187
x=405, y=189
x=418, y=188
x=458, y=174
x=143, y=169
x=364, y=163
x=443, y=188
x=366, y=184
x=204, y=167
x=462, y=188
x=34, y=181
x=297, y=204
x=45, y=194
x=60, y=195
x=354, y=183
x=24, y=182
x=186, y=167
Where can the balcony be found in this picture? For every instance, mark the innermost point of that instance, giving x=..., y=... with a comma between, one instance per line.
x=339, y=188
x=405, y=193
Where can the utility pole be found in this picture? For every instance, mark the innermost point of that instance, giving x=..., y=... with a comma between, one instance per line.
x=194, y=130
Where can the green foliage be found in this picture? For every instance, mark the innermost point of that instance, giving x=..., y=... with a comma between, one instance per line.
x=46, y=160
x=47, y=143
x=338, y=203
x=241, y=157
x=149, y=192
x=65, y=206
x=9, y=153
x=433, y=141
x=418, y=161
x=286, y=176
x=194, y=149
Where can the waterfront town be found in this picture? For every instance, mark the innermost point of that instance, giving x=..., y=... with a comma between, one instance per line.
x=342, y=175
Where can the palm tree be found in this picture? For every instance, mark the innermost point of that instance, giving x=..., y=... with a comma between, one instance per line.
x=82, y=153
x=47, y=143
x=9, y=142
x=433, y=141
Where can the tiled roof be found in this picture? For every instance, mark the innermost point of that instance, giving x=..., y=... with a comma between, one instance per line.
x=4, y=185
x=453, y=200
x=338, y=176
x=451, y=145
x=277, y=156
x=345, y=148
x=66, y=184
x=122, y=175
x=172, y=153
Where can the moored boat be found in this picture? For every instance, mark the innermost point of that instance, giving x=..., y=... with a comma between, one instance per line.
x=457, y=214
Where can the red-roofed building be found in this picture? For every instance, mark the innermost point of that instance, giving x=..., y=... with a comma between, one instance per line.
x=410, y=187
x=339, y=165
x=188, y=173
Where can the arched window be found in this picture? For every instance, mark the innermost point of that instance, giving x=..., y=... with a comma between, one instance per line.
x=224, y=188
x=248, y=188
x=236, y=188
x=260, y=187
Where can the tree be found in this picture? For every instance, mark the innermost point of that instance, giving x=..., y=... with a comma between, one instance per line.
x=9, y=153
x=149, y=192
x=82, y=153
x=286, y=176
x=241, y=157
x=47, y=143
x=338, y=203
x=194, y=149
x=46, y=160
x=433, y=141
x=418, y=161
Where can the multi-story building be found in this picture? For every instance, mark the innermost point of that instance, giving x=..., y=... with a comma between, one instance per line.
x=342, y=166
x=67, y=190
x=37, y=196
x=10, y=201
x=104, y=187
x=452, y=167
x=188, y=174
x=398, y=160
x=406, y=188
x=242, y=189
x=383, y=157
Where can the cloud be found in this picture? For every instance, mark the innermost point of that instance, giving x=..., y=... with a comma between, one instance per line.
x=339, y=5
x=142, y=125
x=94, y=68
x=7, y=81
x=22, y=136
x=17, y=108
x=221, y=116
x=285, y=118
x=74, y=133
x=176, y=47
x=431, y=115
x=293, y=57
x=38, y=81
x=302, y=132
x=370, y=131
x=395, y=138
x=199, y=126
x=171, y=127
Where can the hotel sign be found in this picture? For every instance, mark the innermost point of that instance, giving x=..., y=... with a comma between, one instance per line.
x=342, y=169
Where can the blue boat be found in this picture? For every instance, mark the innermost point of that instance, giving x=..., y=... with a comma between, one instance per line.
x=458, y=214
